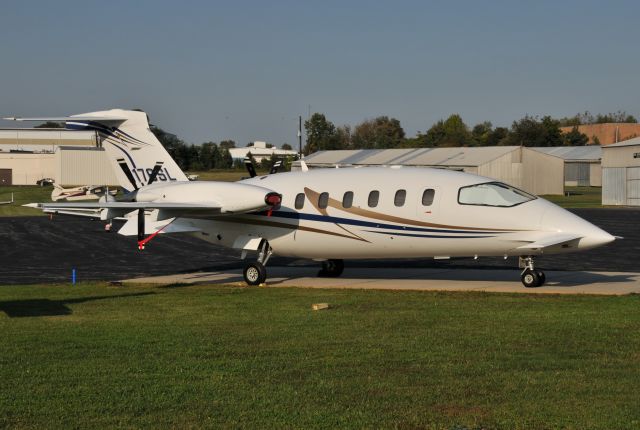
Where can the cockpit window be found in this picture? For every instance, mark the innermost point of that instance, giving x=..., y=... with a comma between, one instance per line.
x=493, y=194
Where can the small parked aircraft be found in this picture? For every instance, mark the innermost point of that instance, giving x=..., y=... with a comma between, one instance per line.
x=325, y=214
x=85, y=192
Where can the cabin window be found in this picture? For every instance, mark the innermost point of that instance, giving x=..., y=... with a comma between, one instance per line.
x=374, y=196
x=427, y=197
x=323, y=200
x=494, y=194
x=300, y=201
x=400, y=197
x=347, y=199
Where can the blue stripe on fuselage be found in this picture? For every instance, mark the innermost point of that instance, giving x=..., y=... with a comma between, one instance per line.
x=350, y=221
x=427, y=235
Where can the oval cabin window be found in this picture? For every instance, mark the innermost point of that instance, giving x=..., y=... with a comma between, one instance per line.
x=347, y=199
x=374, y=196
x=323, y=200
x=427, y=197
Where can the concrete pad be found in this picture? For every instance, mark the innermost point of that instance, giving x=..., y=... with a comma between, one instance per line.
x=502, y=281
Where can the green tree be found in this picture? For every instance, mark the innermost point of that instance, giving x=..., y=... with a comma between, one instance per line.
x=435, y=134
x=176, y=148
x=450, y=132
x=480, y=133
x=225, y=161
x=209, y=155
x=497, y=136
x=287, y=147
x=620, y=116
x=226, y=144
x=575, y=138
x=379, y=133
x=321, y=134
x=529, y=131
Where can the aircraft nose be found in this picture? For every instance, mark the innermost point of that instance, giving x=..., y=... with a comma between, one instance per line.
x=561, y=220
x=595, y=237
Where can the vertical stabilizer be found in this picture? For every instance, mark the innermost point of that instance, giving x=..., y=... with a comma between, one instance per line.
x=133, y=150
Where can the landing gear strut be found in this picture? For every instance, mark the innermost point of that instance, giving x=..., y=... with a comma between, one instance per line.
x=256, y=273
x=530, y=276
x=331, y=268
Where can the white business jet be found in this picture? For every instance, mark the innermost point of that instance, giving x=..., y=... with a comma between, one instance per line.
x=325, y=214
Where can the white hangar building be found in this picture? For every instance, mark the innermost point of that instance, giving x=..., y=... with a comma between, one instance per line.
x=621, y=173
x=259, y=151
x=531, y=169
x=67, y=156
x=582, y=164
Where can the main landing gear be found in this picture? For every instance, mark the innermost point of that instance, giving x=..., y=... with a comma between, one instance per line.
x=331, y=268
x=531, y=277
x=256, y=273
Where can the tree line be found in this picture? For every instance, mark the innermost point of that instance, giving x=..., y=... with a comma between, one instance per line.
x=384, y=132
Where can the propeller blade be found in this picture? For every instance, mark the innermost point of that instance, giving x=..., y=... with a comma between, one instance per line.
x=249, y=165
x=154, y=172
x=276, y=165
x=127, y=172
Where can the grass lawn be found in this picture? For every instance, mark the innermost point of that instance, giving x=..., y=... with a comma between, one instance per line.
x=96, y=356
x=578, y=197
x=23, y=194
x=225, y=175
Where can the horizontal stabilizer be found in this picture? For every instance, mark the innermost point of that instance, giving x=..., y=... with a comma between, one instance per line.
x=67, y=118
x=551, y=240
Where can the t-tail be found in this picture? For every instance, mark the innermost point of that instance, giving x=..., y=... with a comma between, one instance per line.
x=137, y=156
x=133, y=150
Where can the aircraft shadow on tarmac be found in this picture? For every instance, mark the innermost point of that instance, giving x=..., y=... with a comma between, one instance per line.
x=49, y=308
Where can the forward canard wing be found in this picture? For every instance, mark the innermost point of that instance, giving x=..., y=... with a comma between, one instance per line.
x=551, y=240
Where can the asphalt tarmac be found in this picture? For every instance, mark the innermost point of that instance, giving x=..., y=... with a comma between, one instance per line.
x=38, y=250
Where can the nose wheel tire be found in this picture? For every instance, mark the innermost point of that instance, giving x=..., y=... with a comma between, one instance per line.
x=533, y=278
x=331, y=269
x=255, y=274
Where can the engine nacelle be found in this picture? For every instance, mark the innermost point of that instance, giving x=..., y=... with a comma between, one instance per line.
x=232, y=197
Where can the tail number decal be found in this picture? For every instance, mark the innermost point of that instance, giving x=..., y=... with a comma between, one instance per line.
x=143, y=175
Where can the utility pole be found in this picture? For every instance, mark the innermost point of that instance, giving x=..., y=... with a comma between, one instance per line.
x=300, y=136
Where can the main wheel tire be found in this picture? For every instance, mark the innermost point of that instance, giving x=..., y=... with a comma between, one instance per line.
x=530, y=279
x=255, y=273
x=331, y=269
x=541, y=276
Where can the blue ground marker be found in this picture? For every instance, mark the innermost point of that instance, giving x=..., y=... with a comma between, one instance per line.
x=73, y=276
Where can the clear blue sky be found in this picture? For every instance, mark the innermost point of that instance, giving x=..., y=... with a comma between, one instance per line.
x=245, y=70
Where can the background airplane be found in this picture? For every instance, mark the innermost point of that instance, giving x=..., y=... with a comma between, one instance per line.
x=325, y=214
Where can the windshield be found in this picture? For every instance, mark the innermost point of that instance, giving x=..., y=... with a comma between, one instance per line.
x=493, y=194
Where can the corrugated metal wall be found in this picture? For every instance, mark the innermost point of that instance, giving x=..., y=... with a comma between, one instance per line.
x=83, y=167
x=542, y=173
x=633, y=186
x=577, y=173
x=595, y=174
x=506, y=168
x=26, y=169
x=614, y=185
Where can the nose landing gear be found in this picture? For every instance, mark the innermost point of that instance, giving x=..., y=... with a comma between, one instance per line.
x=530, y=276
